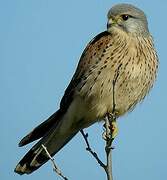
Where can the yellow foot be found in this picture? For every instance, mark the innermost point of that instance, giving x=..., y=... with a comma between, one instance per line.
x=114, y=129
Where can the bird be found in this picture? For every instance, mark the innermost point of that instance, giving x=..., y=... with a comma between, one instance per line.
x=125, y=54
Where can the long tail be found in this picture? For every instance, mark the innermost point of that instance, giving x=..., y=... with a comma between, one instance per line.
x=55, y=133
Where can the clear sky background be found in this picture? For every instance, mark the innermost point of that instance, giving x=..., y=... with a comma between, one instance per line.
x=40, y=44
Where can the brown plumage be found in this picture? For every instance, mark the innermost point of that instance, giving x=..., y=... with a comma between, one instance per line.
x=125, y=50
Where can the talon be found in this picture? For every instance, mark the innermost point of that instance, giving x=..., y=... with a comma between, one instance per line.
x=114, y=131
x=104, y=134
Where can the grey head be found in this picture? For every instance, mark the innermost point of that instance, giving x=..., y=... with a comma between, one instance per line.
x=128, y=18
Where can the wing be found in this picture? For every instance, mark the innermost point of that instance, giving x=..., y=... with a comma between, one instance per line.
x=88, y=60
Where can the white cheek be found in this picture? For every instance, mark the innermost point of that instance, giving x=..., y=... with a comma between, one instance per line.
x=132, y=27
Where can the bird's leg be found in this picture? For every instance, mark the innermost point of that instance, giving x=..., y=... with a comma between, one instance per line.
x=114, y=129
x=112, y=126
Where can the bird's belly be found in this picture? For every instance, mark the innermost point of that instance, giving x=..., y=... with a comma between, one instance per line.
x=131, y=87
x=126, y=95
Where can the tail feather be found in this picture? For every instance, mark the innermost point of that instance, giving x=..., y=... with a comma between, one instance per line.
x=42, y=129
x=35, y=158
x=24, y=165
x=59, y=134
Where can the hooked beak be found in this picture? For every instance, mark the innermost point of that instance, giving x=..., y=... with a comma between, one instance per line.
x=111, y=22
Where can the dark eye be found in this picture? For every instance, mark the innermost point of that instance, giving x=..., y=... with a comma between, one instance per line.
x=125, y=17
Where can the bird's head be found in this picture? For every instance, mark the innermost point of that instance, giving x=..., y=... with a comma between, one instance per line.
x=127, y=18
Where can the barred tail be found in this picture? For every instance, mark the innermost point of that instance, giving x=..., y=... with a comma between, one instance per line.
x=58, y=134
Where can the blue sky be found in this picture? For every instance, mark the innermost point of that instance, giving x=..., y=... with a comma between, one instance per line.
x=40, y=45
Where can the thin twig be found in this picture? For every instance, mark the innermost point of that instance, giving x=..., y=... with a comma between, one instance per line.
x=109, y=119
x=55, y=168
x=108, y=148
x=113, y=90
x=89, y=149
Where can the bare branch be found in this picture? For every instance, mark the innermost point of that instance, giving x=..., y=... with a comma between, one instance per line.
x=113, y=91
x=110, y=119
x=89, y=149
x=108, y=148
x=55, y=168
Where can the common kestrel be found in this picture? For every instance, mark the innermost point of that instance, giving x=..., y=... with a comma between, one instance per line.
x=125, y=50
